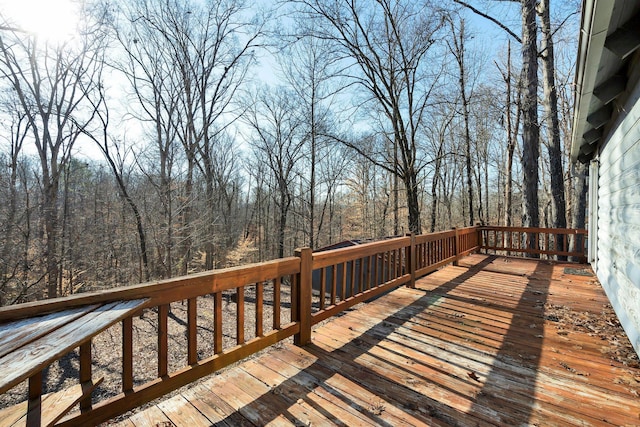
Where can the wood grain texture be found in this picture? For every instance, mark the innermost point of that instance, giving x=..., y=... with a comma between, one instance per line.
x=36, y=355
x=15, y=334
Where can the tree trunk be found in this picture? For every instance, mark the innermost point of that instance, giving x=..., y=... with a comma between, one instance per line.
x=579, y=205
x=210, y=228
x=434, y=193
x=530, y=130
x=551, y=107
x=411, y=185
x=508, y=192
x=51, y=229
x=396, y=207
x=282, y=223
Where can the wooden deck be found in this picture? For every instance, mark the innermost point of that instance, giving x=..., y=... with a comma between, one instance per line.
x=471, y=345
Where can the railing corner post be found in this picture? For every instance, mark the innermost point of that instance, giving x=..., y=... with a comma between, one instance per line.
x=479, y=237
x=303, y=295
x=456, y=245
x=412, y=260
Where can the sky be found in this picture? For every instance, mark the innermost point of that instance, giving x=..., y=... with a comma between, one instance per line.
x=55, y=20
x=51, y=19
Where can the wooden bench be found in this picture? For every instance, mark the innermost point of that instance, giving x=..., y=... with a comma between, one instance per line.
x=28, y=346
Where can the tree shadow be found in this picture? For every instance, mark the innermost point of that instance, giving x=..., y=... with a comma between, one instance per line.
x=519, y=354
x=324, y=365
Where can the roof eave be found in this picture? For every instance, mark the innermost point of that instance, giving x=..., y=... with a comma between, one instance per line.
x=596, y=16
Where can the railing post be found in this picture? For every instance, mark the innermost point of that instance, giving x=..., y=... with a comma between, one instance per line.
x=411, y=260
x=455, y=246
x=34, y=406
x=478, y=237
x=85, y=374
x=303, y=303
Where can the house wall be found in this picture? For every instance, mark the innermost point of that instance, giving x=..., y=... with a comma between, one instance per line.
x=618, y=217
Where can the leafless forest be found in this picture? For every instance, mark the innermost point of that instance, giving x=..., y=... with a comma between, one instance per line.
x=167, y=137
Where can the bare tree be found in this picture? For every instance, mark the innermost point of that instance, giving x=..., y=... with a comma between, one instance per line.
x=457, y=49
x=511, y=130
x=438, y=132
x=9, y=226
x=187, y=61
x=278, y=139
x=308, y=67
x=115, y=155
x=52, y=83
x=387, y=43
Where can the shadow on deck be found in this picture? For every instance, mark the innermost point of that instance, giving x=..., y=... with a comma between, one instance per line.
x=492, y=341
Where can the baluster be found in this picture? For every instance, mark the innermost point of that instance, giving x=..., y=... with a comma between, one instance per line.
x=217, y=322
x=127, y=354
x=344, y=281
x=34, y=407
x=388, y=275
x=323, y=279
x=361, y=281
x=334, y=284
x=374, y=282
x=370, y=262
x=85, y=373
x=276, y=303
x=294, y=298
x=240, y=315
x=259, y=309
x=163, y=343
x=352, y=278
x=192, y=328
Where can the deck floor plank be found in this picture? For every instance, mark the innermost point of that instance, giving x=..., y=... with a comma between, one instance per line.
x=382, y=402
x=214, y=408
x=440, y=369
x=295, y=382
x=151, y=417
x=250, y=406
x=472, y=345
x=182, y=412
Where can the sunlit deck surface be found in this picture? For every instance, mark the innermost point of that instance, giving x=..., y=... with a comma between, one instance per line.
x=476, y=344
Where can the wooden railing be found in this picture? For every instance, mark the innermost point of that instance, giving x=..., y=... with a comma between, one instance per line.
x=295, y=292
x=552, y=243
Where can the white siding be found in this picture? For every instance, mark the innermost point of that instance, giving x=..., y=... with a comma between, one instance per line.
x=618, y=218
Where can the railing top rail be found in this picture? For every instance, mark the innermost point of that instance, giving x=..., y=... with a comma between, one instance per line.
x=161, y=291
x=535, y=229
x=334, y=256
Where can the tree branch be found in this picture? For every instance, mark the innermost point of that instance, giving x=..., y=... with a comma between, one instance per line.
x=490, y=18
